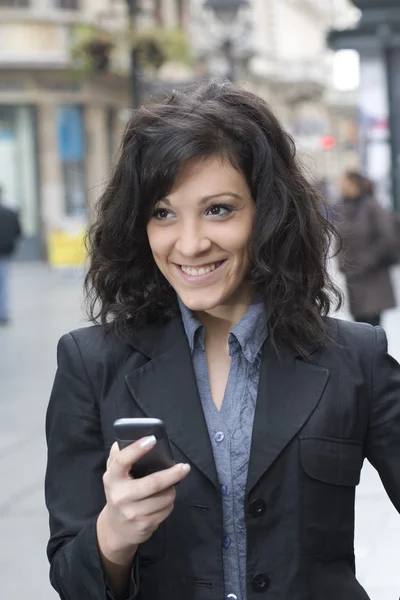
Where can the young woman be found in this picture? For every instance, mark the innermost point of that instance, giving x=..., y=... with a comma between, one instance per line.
x=209, y=284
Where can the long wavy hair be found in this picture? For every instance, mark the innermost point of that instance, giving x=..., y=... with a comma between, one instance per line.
x=290, y=240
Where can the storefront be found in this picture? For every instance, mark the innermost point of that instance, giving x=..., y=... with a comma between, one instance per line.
x=18, y=173
x=57, y=142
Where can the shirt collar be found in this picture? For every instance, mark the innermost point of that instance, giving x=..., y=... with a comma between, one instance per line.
x=193, y=327
x=251, y=331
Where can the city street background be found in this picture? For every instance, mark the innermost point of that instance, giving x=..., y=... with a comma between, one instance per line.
x=46, y=305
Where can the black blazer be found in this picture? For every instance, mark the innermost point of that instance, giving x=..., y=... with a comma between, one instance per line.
x=315, y=423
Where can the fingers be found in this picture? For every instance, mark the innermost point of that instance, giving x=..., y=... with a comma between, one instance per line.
x=147, y=507
x=120, y=461
x=157, y=483
x=134, y=490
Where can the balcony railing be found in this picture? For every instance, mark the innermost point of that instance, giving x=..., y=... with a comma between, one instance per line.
x=14, y=3
x=67, y=4
x=291, y=73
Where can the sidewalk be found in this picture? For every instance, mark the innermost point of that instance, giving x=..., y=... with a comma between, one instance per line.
x=46, y=306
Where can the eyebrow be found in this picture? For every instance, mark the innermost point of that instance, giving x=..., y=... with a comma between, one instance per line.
x=205, y=199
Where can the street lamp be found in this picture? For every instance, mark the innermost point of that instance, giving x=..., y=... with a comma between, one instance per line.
x=226, y=12
x=133, y=10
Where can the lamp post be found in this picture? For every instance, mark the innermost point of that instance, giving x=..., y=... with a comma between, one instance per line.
x=133, y=10
x=226, y=12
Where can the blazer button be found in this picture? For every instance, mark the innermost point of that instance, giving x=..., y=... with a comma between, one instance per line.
x=260, y=583
x=257, y=508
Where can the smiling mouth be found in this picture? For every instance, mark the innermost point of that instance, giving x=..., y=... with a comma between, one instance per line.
x=199, y=271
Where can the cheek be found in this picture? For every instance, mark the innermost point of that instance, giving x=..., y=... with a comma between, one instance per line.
x=159, y=241
x=236, y=240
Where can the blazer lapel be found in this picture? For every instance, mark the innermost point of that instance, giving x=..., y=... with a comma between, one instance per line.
x=165, y=388
x=289, y=391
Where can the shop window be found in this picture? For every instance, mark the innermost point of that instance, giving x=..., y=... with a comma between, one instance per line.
x=71, y=151
x=18, y=172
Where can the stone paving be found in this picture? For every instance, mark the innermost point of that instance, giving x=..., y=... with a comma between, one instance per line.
x=46, y=305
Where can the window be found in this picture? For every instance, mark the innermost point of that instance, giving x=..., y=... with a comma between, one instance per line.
x=66, y=4
x=14, y=3
x=71, y=153
x=18, y=170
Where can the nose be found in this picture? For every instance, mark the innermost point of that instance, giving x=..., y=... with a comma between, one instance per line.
x=192, y=241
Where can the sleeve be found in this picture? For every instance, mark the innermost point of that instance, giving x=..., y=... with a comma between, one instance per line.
x=383, y=438
x=73, y=485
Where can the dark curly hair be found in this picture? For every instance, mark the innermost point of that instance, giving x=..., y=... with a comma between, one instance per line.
x=290, y=239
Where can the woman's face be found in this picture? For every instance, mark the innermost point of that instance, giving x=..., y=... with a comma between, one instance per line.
x=199, y=235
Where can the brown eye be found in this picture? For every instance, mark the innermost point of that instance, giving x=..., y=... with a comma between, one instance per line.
x=215, y=210
x=220, y=210
x=161, y=214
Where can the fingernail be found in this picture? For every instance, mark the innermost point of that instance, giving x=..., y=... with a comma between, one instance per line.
x=148, y=442
x=186, y=468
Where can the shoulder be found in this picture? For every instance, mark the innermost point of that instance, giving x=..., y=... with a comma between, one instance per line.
x=94, y=346
x=348, y=331
x=5, y=211
x=357, y=339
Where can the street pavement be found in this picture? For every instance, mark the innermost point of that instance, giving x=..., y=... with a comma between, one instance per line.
x=46, y=305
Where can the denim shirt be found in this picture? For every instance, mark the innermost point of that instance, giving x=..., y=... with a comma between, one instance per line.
x=231, y=429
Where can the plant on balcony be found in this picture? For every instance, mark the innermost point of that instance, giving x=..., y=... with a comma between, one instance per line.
x=93, y=49
x=172, y=46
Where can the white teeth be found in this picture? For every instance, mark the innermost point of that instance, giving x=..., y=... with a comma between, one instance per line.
x=202, y=271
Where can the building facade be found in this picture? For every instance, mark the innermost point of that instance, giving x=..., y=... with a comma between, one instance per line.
x=293, y=69
x=60, y=126
x=285, y=59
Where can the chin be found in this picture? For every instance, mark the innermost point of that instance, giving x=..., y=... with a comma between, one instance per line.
x=200, y=302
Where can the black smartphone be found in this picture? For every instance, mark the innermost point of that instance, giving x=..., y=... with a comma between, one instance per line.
x=158, y=458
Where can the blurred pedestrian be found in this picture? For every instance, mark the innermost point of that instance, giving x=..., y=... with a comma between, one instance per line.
x=368, y=250
x=10, y=231
x=209, y=284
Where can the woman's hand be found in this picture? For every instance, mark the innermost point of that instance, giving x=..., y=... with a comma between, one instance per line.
x=134, y=510
x=136, y=507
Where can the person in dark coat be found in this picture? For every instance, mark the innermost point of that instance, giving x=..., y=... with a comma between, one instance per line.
x=367, y=231
x=10, y=231
x=210, y=293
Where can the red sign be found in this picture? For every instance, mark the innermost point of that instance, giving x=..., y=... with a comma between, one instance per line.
x=328, y=142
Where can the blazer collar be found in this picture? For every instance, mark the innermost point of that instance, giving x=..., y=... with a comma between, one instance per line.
x=165, y=387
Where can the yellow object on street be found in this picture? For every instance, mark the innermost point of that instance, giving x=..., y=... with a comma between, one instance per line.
x=66, y=249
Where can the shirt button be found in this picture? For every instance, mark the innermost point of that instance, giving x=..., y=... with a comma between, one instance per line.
x=224, y=489
x=219, y=437
x=226, y=541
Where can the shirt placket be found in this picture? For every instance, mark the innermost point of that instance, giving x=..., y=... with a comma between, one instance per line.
x=229, y=417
